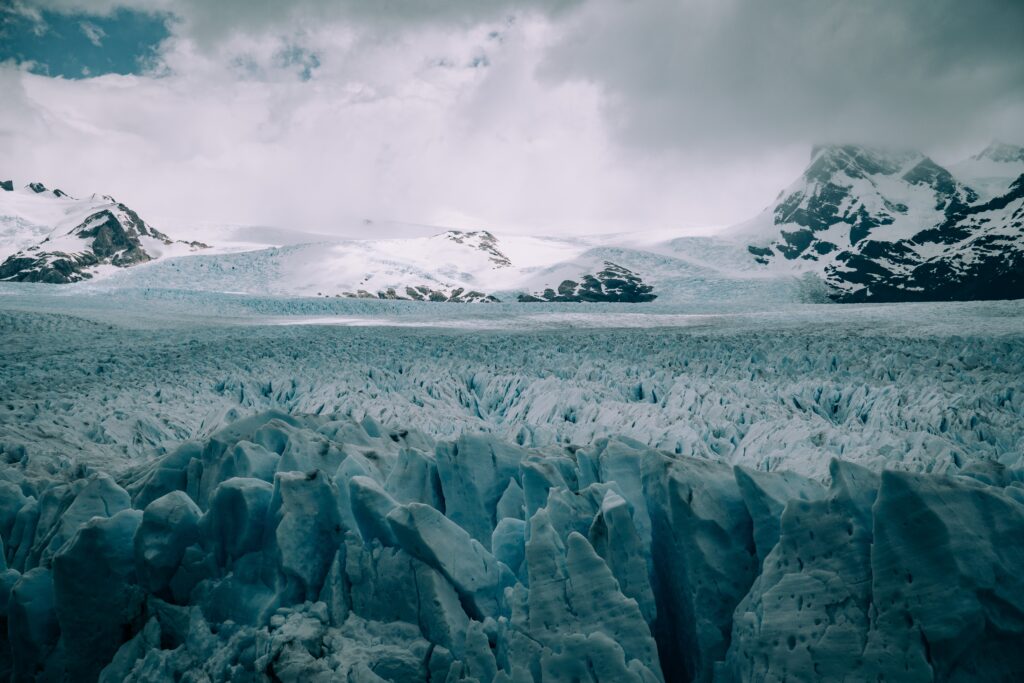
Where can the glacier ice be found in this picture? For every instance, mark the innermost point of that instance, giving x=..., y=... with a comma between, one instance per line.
x=871, y=385
x=170, y=524
x=613, y=562
x=751, y=498
x=898, y=577
x=96, y=592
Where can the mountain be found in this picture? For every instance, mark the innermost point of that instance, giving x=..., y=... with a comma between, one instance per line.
x=881, y=225
x=860, y=224
x=49, y=236
x=457, y=266
x=612, y=283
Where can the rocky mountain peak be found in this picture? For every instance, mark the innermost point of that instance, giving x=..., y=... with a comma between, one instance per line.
x=951, y=194
x=612, y=284
x=35, y=188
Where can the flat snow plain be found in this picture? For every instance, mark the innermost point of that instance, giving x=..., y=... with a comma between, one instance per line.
x=211, y=487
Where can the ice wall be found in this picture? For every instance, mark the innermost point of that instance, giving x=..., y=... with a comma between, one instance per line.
x=290, y=547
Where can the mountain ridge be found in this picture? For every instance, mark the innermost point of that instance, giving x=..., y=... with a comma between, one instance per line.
x=897, y=226
x=859, y=224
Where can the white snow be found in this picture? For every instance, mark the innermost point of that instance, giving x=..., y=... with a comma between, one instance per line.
x=991, y=172
x=27, y=217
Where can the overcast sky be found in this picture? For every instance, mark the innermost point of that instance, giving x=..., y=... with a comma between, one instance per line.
x=543, y=116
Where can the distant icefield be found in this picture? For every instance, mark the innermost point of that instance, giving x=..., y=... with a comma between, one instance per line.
x=206, y=487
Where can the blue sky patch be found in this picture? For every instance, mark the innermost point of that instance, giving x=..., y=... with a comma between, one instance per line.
x=82, y=45
x=300, y=59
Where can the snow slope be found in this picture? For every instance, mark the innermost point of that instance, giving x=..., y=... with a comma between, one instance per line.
x=28, y=216
x=49, y=236
x=424, y=262
x=991, y=171
x=679, y=270
x=860, y=224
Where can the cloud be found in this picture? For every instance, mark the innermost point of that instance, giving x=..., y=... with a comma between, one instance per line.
x=401, y=127
x=208, y=23
x=741, y=75
x=540, y=116
x=94, y=33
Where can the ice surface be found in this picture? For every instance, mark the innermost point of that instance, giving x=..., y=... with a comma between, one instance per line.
x=687, y=568
x=922, y=387
x=806, y=494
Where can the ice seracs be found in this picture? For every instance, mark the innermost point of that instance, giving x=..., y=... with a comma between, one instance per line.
x=627, y=564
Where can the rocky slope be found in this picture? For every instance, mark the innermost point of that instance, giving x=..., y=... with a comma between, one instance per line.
x=455, y=295
x=298, y=547
x=879, y=225
x=82, y=237
x=613, y=283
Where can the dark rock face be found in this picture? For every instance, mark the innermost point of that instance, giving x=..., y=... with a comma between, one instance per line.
x=614, y=284
x=49, y=268
x=828, y=196
x=110, y=240
x=961, y=250
x=7, y=185
x=458, y=295
x=950, y=197
x=982, y=258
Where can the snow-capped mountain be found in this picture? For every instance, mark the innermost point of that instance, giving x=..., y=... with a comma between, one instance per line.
x=458, y=266
x=880, y=225
x=449, y=266
x=48, y=236
x=860, y=224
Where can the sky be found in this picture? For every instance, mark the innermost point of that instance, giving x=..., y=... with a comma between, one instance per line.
x=540, y=116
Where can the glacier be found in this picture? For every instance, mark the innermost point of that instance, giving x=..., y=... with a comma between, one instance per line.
x=611, y=562
x=508, y=493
